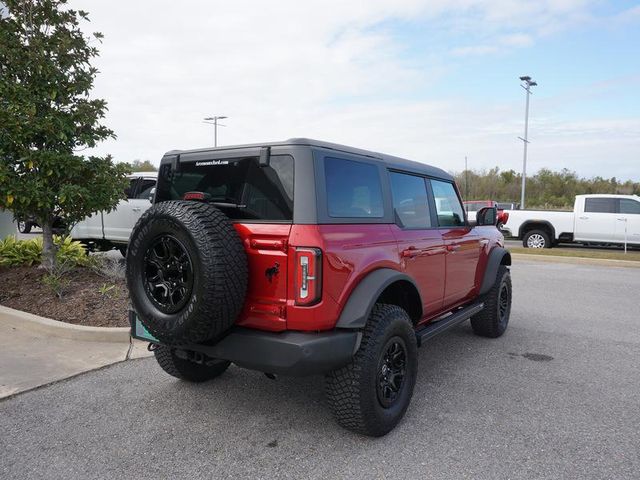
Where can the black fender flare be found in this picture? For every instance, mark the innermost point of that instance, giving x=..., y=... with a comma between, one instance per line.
x=356, y=311
x=498, y=256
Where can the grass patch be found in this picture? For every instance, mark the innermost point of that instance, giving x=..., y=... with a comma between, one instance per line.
x=632, y=255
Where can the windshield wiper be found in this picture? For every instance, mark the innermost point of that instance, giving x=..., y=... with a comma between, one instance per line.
x=226, y=204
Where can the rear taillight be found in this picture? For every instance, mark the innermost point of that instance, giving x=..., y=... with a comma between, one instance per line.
x=308, y=283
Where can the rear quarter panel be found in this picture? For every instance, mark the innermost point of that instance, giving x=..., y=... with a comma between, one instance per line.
x=350, y=252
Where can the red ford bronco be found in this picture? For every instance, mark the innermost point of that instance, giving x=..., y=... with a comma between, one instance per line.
x=304, y=257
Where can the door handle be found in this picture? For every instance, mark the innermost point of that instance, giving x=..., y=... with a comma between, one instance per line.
x=583, y=218
x=136, y=209
x=453, y=248
x=410, y=252
x=622, y=219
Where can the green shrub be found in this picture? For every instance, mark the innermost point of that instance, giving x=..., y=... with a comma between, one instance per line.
x=71, y=251
x=28, y=252
x=20, y=252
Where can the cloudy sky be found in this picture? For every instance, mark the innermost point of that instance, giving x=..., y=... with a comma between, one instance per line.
x=429, y=80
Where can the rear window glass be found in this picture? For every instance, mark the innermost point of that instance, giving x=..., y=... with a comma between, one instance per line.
x=410, y=200
x=600, y=205
x=240, y=187
x=629, y=206
x=353, y=189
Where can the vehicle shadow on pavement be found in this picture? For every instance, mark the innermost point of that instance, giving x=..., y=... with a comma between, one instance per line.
x=247, y=397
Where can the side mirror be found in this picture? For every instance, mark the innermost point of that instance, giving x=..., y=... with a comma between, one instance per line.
x=487, y=216
x=152, y=194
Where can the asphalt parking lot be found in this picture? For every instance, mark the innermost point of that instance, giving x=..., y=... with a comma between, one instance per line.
x=556, y=397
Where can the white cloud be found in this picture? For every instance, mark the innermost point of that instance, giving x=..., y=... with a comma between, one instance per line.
x=318, y=69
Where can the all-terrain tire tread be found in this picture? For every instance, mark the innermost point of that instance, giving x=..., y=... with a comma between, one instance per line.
x=184, y=369
x=343, y=387
x=485, y=323
x=223, y=266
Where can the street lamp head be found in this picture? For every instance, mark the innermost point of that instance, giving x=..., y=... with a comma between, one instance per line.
x=532, y=84
x=221, y=117
x=209, y=118
x=525, y=79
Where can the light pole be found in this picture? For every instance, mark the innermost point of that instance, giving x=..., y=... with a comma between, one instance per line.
x=528, y=83
x=214, y=121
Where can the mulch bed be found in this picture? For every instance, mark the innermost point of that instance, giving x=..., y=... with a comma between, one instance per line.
x=83, y=304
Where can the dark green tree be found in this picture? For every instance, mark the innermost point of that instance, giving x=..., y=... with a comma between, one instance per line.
x=47, y=117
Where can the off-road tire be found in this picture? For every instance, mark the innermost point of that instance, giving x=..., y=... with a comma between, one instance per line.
x=544, y=238
x=351, y=391
x=186, y=369
x=492, y=322
x=219, y=272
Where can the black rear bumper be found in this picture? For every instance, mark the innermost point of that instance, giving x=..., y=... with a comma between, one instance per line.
x=285, y=353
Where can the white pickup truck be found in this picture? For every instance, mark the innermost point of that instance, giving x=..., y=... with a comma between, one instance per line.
x=596, y=219
x=105, y=231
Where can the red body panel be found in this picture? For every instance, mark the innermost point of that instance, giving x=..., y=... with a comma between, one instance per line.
x=447, y=265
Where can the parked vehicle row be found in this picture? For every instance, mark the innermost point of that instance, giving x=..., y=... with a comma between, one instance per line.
x=595, y=219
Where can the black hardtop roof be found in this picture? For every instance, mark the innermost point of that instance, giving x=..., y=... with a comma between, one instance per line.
x=390, y=160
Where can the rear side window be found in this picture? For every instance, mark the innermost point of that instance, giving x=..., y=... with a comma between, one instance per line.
x=450, y=213
x=130, y=191
x=353, y=189
x=144, y=190
x=240, y=187
x=600, y=205
x=410, y=200
x=629, y=206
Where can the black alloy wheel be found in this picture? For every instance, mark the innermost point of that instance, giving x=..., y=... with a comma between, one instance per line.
x=168, y=274
x=391, y=371
x=504, y=304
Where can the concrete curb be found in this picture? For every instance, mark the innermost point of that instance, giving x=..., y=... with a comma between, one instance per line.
x=603, y=262
x=37, y=324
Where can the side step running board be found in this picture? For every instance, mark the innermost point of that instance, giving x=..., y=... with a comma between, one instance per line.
x=436, y=327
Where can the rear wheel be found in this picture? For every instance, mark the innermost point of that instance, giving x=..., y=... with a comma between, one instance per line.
x=372, y=393
x=536, y=239
x=178, y=364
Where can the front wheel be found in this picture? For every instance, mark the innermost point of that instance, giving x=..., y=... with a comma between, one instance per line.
x=371, y=394
x=492, y=321
x=171, y=362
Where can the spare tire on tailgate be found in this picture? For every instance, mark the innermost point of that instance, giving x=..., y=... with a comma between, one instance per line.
x=186, y=271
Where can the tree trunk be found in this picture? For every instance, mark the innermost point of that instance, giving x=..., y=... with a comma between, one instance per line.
x=48, y=247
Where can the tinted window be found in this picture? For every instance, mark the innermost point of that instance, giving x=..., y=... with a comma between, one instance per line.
x=629, y=206
x=353, y=189
x=240, y=187
x=145, y=189
x=410, y=200
x=448, y=205
x=131, y=189
x=600, y=205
